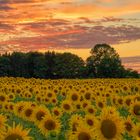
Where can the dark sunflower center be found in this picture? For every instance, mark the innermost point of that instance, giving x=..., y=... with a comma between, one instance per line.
x=137, y=109
x=108, y=129
x=90, y=110
x=50, y=125
x=139, y=134
x=20, y=109
x=128, y=101
x=136, y=88
x=87, y=96
x=11, y=107
x=14, y=137
x=2, y=98
x=54, y=101
x=40, y=115
x=74, y=97
x=114, y=100
x=66, y=106
x=84, y=136
x=125, y=88
x=100, y=104
x=85, y=104
x=56, y=112
x=120, y=101
x=28, y=112
x=78, y=106
x=128, y=126
x=107, y=95
x=90, y=122
x=49, y=94
x=18, y=91
x=74, y=127
x=11, y=96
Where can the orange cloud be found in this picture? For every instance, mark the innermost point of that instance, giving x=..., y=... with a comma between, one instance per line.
x=94, y=10
x=42, y=24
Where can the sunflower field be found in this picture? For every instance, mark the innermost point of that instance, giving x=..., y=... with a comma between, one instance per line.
x=97, y=109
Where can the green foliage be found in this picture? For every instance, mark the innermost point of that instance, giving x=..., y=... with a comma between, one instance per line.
x=104, y=62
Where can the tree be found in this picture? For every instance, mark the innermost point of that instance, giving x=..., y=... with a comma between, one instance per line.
x=5, y=68
x=129, y=73
x=50, y=63
x=104, y=62
x=40, y=67
x=31, y=62
x=68, y=65
x=18, y=64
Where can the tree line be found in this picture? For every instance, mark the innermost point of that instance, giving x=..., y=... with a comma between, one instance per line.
x=104, y=62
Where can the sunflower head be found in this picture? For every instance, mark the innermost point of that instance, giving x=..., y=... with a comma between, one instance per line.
x=82, y=133
x=110, y=125
x=49, y=124
x=16, y=133
x=3, y=120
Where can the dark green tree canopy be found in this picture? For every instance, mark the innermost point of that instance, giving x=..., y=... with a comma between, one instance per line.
x=104, y=62
x=68, y=65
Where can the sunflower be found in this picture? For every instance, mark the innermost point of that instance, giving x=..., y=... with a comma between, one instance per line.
x=126, y=89
x=90, y=109
x=129, y=125
x=108, y=93
x=19, y=108
x=18, y=91
x=120, y=101
x=85, y=103
x=50, y=94
x=67, y=106
x=75, y=122
x=90, y=121
x=113, y=100
x=16, y=133
x=49, y=124
x=77, y=106
x=27, y=113
x=9, y=107
x=137, y=132
x=100, y=103
x=3, y=98
x=53, y=101
x=137, y=97
x=109, y=125
x=135, y=109
x=57, y=112
x=82, y=133
x=87, y=95
x=3, y=121
x=27, y=94
x=11, y=96
x=73, y=96
x=38, y=98
x=39, y=113
x=128, y=100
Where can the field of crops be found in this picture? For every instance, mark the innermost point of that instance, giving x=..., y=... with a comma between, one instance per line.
x=99, y=109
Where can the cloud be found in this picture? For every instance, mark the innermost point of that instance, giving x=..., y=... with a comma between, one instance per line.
x=5, y=8
x=132, y=62
x=41, y=24
x=47, y=35
x=5, y=28
x=21, y=1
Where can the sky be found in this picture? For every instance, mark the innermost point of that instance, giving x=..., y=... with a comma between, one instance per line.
x=71, y=26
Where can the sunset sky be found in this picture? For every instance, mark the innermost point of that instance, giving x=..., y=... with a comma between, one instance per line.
x=71, y=25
